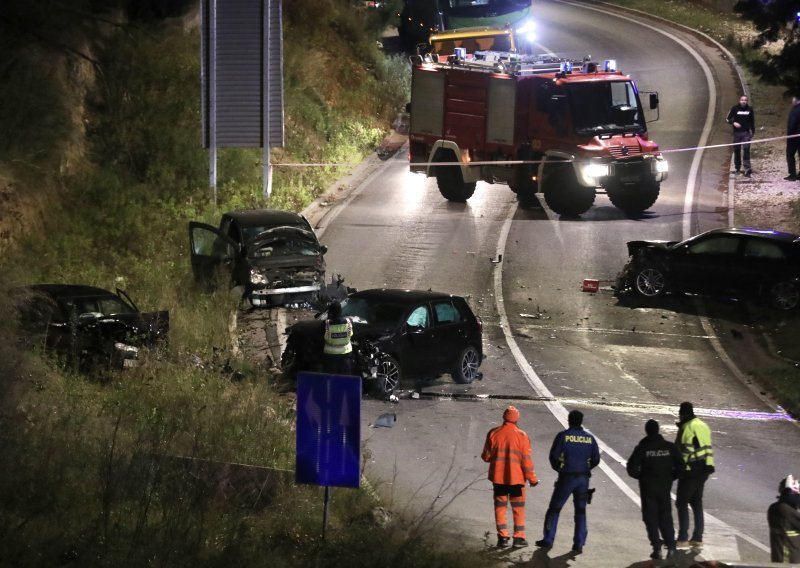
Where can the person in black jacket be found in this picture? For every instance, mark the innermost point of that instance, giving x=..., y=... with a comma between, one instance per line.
x=656, y=463
x=743, y=119
x=784, y=522
x=793, y=144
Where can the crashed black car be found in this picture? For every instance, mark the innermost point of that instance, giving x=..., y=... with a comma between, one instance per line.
x=725, y=263
x=273, y=255
x=88, y=327
x=422, y=333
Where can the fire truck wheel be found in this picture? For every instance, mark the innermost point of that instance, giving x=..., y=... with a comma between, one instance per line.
x=634, y=199
x=563, y=193
x=451, y=184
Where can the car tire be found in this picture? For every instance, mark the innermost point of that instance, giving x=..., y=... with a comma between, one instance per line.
x=633, y=199
x=562, y=192
x=467, y=365
x=388, y=376
x=784, y=295
x=650, y=281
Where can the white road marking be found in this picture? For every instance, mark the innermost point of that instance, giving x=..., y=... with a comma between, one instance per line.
x=721, y=534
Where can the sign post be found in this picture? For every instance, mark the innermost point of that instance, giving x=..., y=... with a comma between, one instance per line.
x=328, y=451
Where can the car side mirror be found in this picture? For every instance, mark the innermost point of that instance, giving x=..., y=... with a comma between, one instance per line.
x=323, y=249
x=89, y=317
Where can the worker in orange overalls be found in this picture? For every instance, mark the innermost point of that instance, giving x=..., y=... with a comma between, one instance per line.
x=508, y=452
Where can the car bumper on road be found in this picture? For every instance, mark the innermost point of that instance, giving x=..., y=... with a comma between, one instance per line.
x=268, y=296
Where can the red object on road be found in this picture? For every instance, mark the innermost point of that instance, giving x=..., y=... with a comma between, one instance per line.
x=590, y=285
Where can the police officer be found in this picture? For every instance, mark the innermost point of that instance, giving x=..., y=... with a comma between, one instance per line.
x=573, y=455
x=694, y=443
x=655, y=462
x=338, y=347
x=508, y=452
x=784, y=522
x=743, y=119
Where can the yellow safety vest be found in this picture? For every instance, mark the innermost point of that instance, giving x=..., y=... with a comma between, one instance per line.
x=702, y=452
x=337, y=338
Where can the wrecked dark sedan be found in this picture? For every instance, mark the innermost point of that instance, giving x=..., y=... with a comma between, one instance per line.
x=422, y=333
x=88, y=327
x=273, y=256
x=738, y=263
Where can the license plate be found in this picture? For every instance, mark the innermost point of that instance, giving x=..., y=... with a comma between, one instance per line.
x=129, y=363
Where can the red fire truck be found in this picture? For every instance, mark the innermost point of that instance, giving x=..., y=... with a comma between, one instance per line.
x=565, y=128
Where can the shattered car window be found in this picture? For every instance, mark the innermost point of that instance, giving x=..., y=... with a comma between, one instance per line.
x=287, y=247
x=360, y=310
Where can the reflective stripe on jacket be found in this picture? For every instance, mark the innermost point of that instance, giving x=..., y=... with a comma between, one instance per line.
x=508, y=452
x=337, y=338
x=694, y=442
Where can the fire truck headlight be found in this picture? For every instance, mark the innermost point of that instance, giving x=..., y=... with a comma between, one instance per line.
x=596, y=170
x=662, y=166
x=527, y=30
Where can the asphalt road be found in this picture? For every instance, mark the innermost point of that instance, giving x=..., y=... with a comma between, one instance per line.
x=551, y=347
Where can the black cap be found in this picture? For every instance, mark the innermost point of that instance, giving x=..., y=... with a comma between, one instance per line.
x=575, y=418
x=686, y=409
x=651, y=427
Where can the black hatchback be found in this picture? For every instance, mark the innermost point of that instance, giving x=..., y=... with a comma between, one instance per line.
x=725, y=263
x=424, y=333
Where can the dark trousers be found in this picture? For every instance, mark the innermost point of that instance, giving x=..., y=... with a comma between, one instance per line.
x=690, y=493
x=741, y=152
x=792, y=149
x=657, y=515
x=566, y=485
x=337, y=364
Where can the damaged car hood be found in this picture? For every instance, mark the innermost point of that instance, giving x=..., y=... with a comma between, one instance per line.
x=636, y=246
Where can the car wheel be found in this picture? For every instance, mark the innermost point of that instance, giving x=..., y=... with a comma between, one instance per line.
x=388, y=375
x=468, y=362
x=784, y=295
x=650, y=282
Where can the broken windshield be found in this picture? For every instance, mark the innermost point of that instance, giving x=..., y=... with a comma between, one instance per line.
x=606, y=107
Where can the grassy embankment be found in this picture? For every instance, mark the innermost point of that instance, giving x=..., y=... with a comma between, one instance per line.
x=82, y=484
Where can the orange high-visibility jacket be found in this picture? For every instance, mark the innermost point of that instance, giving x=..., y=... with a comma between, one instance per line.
x=508, y=452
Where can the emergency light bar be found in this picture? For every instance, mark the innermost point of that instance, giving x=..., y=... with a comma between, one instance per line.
x=566, y=67
x=610, y=65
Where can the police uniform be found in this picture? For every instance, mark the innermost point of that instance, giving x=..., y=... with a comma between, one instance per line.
x=338, y=347
x=655, y=462
x=694, y=443
x=573, y=455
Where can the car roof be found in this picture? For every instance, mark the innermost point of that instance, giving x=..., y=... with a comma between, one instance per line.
x=401, y=296
x=763, y=233
x=70, y=290
x=260, y=217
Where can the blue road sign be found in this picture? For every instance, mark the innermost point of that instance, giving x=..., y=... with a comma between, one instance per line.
x=328, y=430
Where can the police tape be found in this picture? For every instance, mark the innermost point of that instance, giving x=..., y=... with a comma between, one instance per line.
x=520, y=162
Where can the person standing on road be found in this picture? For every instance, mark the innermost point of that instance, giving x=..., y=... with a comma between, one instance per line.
x=784, y=522
x=793, y=144
x=508, y=452
x=656, y=463
x=742, y=118
x=573, y=455
x=336, y=351
x=694, y=443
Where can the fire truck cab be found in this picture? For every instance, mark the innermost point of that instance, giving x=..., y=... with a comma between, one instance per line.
x=567, y=128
